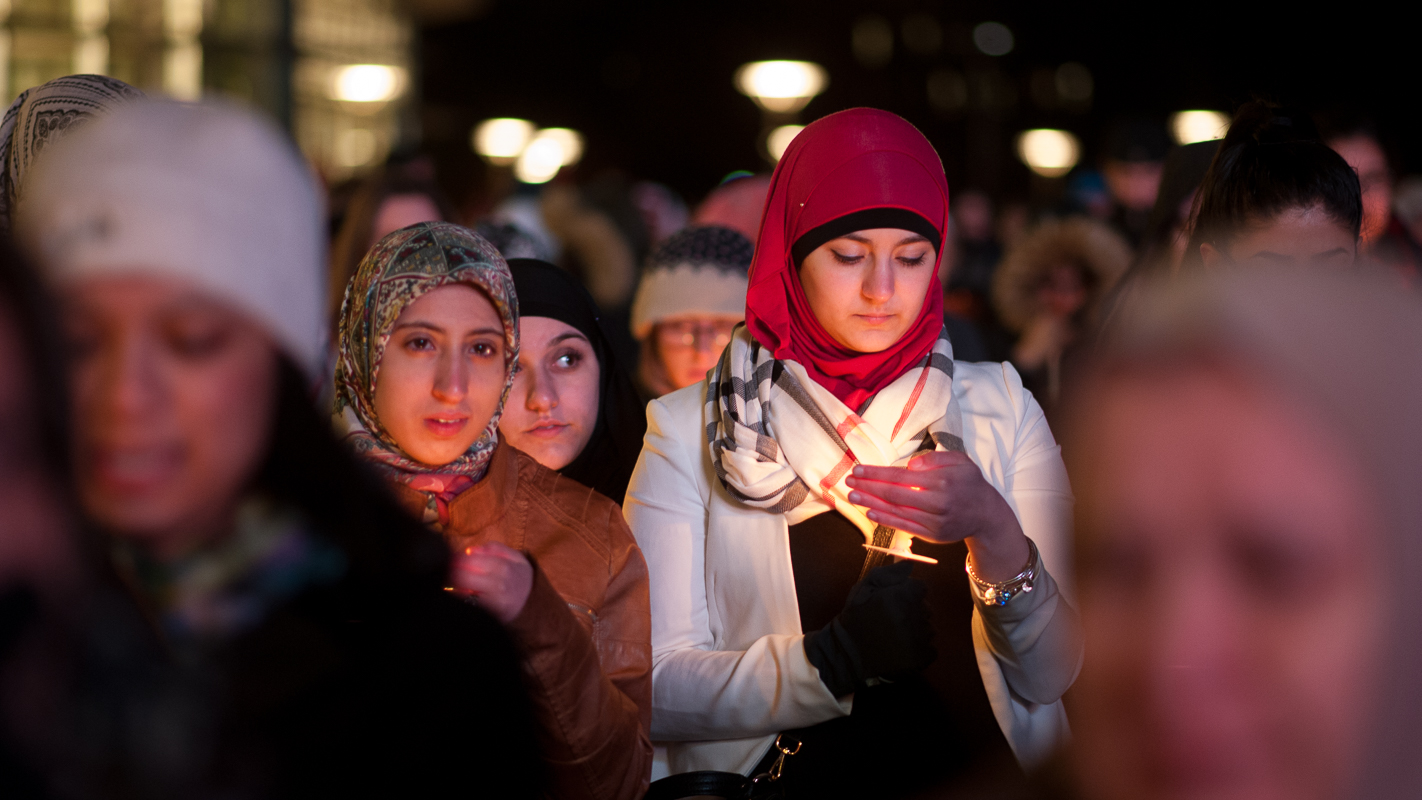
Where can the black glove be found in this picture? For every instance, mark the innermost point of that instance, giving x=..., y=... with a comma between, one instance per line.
x=883, y=631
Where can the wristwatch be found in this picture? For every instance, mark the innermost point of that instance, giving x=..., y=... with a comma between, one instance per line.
x=1000, y=594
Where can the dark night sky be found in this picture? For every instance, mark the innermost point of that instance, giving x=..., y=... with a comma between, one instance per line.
x=649, y=83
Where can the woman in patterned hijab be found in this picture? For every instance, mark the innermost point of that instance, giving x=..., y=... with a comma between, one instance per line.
x=437, y=455
x=428, y=348
x=44, y=113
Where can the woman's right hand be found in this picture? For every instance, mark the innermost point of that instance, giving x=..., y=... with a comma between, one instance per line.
x=883, y=631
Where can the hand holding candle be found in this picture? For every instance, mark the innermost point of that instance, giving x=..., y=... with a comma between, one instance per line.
x=943, y=497
x=496, y=575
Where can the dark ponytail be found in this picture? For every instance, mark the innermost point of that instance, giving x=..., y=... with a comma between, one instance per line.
x=1271, y=160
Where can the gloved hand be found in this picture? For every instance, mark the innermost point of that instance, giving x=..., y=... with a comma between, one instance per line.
x=883, y=631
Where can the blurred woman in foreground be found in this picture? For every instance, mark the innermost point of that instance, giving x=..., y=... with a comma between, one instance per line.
x=1248, y=518
x=304, y=608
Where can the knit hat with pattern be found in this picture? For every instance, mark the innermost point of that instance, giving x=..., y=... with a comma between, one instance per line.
x=701, y=270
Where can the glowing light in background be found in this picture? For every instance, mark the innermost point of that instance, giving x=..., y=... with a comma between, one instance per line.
x=540, y=161
x=1048, y=152
x=570, y=140
x=1189, y=127
x=367, y=83
x=502, y=139
x=993, y=38
x=781, y=86
x=356, y=147
x=780, y=138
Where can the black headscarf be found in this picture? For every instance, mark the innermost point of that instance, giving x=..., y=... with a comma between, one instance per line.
x=606, y=462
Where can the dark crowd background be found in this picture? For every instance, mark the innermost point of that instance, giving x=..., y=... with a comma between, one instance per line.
x=649, y=84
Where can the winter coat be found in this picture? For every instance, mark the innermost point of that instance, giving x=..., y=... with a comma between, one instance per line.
x=730, y=665
x=586, y=628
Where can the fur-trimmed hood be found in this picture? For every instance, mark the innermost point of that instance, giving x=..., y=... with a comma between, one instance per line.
x=1092, y=245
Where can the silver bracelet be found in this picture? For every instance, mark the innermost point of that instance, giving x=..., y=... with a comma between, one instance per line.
x=999, y=594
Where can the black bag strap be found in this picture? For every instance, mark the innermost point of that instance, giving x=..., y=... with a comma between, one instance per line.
x=730, y=785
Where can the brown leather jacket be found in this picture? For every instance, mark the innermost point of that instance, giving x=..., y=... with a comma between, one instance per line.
x=589, y=596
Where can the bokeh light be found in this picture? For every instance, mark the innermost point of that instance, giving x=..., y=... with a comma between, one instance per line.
x=540, y=161
x=1048, y=152
x=502, y=139
x=781, y=86
x=780, y=138
x=570, y=140
x=1198, y=125
x=367, y=83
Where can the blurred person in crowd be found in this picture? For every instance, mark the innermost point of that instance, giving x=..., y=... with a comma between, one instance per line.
x=1246, y=462
x=1275, y=193
x=662, y=209
x=429, y=348
x=43, y=114
x=1049, y=291
x=692, y=294
x=1134, y=160
x=1385, y=237
x=391, y=199
x=596, y=244
x=306, y=611
x=736, y=204
x=978, y=252
x=41, y=562
x=837, y=420
x=512, y=241
x=572, y=406
x=1359, y=146
x=1087, y=193
x=1168, y=232
x=1403, y=251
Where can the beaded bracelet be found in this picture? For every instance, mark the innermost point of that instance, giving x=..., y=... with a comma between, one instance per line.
x=999, y=594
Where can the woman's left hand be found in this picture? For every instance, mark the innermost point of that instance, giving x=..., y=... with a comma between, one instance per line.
x=943, y=497
x=497, y=575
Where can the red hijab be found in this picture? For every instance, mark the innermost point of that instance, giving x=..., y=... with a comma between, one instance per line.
x=845, y=163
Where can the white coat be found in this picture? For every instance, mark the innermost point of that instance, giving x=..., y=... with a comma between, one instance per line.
x=729, y=670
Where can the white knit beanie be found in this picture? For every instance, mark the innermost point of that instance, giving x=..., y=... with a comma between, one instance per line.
x=700, y=270
x=210, y=193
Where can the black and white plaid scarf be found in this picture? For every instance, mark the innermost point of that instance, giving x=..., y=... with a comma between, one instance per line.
x=782, y=442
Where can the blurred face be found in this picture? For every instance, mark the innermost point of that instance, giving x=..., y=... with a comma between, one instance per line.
x=34, y=540
x=1134, y=184
x=1295, y=236
x=1063, y=292
x=552, y=410
x=689, y=345
x=867, y=288
x=1363, y=154
x=1229, y=594
x=442, y=374
x=401, y=211
x=173, y=400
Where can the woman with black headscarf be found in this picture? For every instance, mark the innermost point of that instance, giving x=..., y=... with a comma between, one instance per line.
x=572, y=407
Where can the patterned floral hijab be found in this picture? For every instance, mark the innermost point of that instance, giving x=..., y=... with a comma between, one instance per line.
x=395, y=273
x=43, y=114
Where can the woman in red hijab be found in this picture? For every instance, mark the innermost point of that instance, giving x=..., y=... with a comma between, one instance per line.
x=805, y=511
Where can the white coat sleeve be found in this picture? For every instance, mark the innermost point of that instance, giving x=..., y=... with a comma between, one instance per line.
x=699, y=692
x=1036, y=638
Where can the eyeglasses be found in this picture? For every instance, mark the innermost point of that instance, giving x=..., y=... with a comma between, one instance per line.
x=696, y=333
